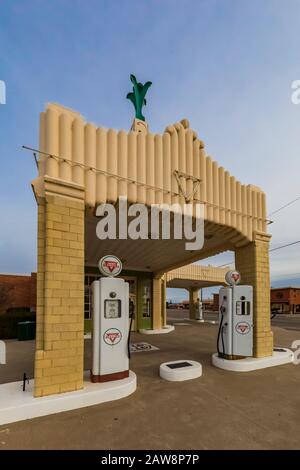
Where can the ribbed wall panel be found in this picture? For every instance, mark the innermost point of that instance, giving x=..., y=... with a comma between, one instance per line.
x=254, y=210
x=209, y=189
x=112, y=165
x=249, y=211
x=216, y=192
x=101, y=163
x=150, y=168
x=182, y=160
x=238, y=206
x=263, y=212
x=122, y=163
x=132, y=166
x=42, y=144
x=141, y=166
x=78, y=151
x=203, y=193
x=90, y=160
x=52, y=142
x=227, y=199
x=196, y=167
x=174, y=166
x=158, y=168
x=65, y=146
x=244, y=211
x=233, y=201
x=222, y=194
x=189, y=168
x=167, y=171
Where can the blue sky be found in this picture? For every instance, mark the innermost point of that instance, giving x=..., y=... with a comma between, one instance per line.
x=226, y=65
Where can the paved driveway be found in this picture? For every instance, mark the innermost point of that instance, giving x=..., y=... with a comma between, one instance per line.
x=220, y=410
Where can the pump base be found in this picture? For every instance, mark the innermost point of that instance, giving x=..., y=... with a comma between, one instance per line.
x=247, y=364
x=109, y=377
x=230, y=357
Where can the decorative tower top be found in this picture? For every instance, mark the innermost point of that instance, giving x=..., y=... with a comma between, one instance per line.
x=137, y=97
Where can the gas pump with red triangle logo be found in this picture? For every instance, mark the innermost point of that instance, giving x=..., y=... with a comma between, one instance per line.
x=235, y=334
x=110, y=319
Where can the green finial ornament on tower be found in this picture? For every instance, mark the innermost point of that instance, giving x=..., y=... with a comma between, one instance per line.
x=138, y=96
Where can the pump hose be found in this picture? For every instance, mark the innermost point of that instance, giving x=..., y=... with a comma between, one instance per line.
x=219, y=332
x=128, y=340
x=222, y=338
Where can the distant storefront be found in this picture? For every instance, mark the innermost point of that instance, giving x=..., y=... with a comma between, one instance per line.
x=286, y=299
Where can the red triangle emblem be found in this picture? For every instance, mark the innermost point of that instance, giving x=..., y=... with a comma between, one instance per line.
x=112, y=336
x=111, y=265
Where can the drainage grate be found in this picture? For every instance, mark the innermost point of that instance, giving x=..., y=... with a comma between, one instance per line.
x=177, y=365
x=141, y=347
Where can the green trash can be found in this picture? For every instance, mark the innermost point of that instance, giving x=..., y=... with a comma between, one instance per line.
x=26, y=330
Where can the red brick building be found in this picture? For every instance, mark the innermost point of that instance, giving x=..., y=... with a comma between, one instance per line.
x=286, y=299
x=17, y=291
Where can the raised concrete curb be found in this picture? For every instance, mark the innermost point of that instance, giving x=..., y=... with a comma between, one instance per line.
x=163, y=330
x=16, y=405
x=193, y=371
x=211, y=322
x=254, y=363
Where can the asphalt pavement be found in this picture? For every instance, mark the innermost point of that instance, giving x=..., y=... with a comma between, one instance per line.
x=220, y=410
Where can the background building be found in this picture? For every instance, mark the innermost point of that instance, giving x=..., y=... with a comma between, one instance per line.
x=286, y=299
x=17, y=292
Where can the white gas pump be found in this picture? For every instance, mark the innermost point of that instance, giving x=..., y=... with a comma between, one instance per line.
x=235, y=336
x=199, y=311
x=110, y=336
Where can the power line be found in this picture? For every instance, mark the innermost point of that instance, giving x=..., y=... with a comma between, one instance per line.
x=283, y=207
x=93, y=169
x=284, y=246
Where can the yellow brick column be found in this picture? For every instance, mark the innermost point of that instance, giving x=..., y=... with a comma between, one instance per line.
x=157, y=303
x=60, y=289
x=252, y=261
x=193, y=296
x=40, y=275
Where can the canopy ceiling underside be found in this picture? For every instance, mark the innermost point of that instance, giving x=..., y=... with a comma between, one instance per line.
x=157, y=256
